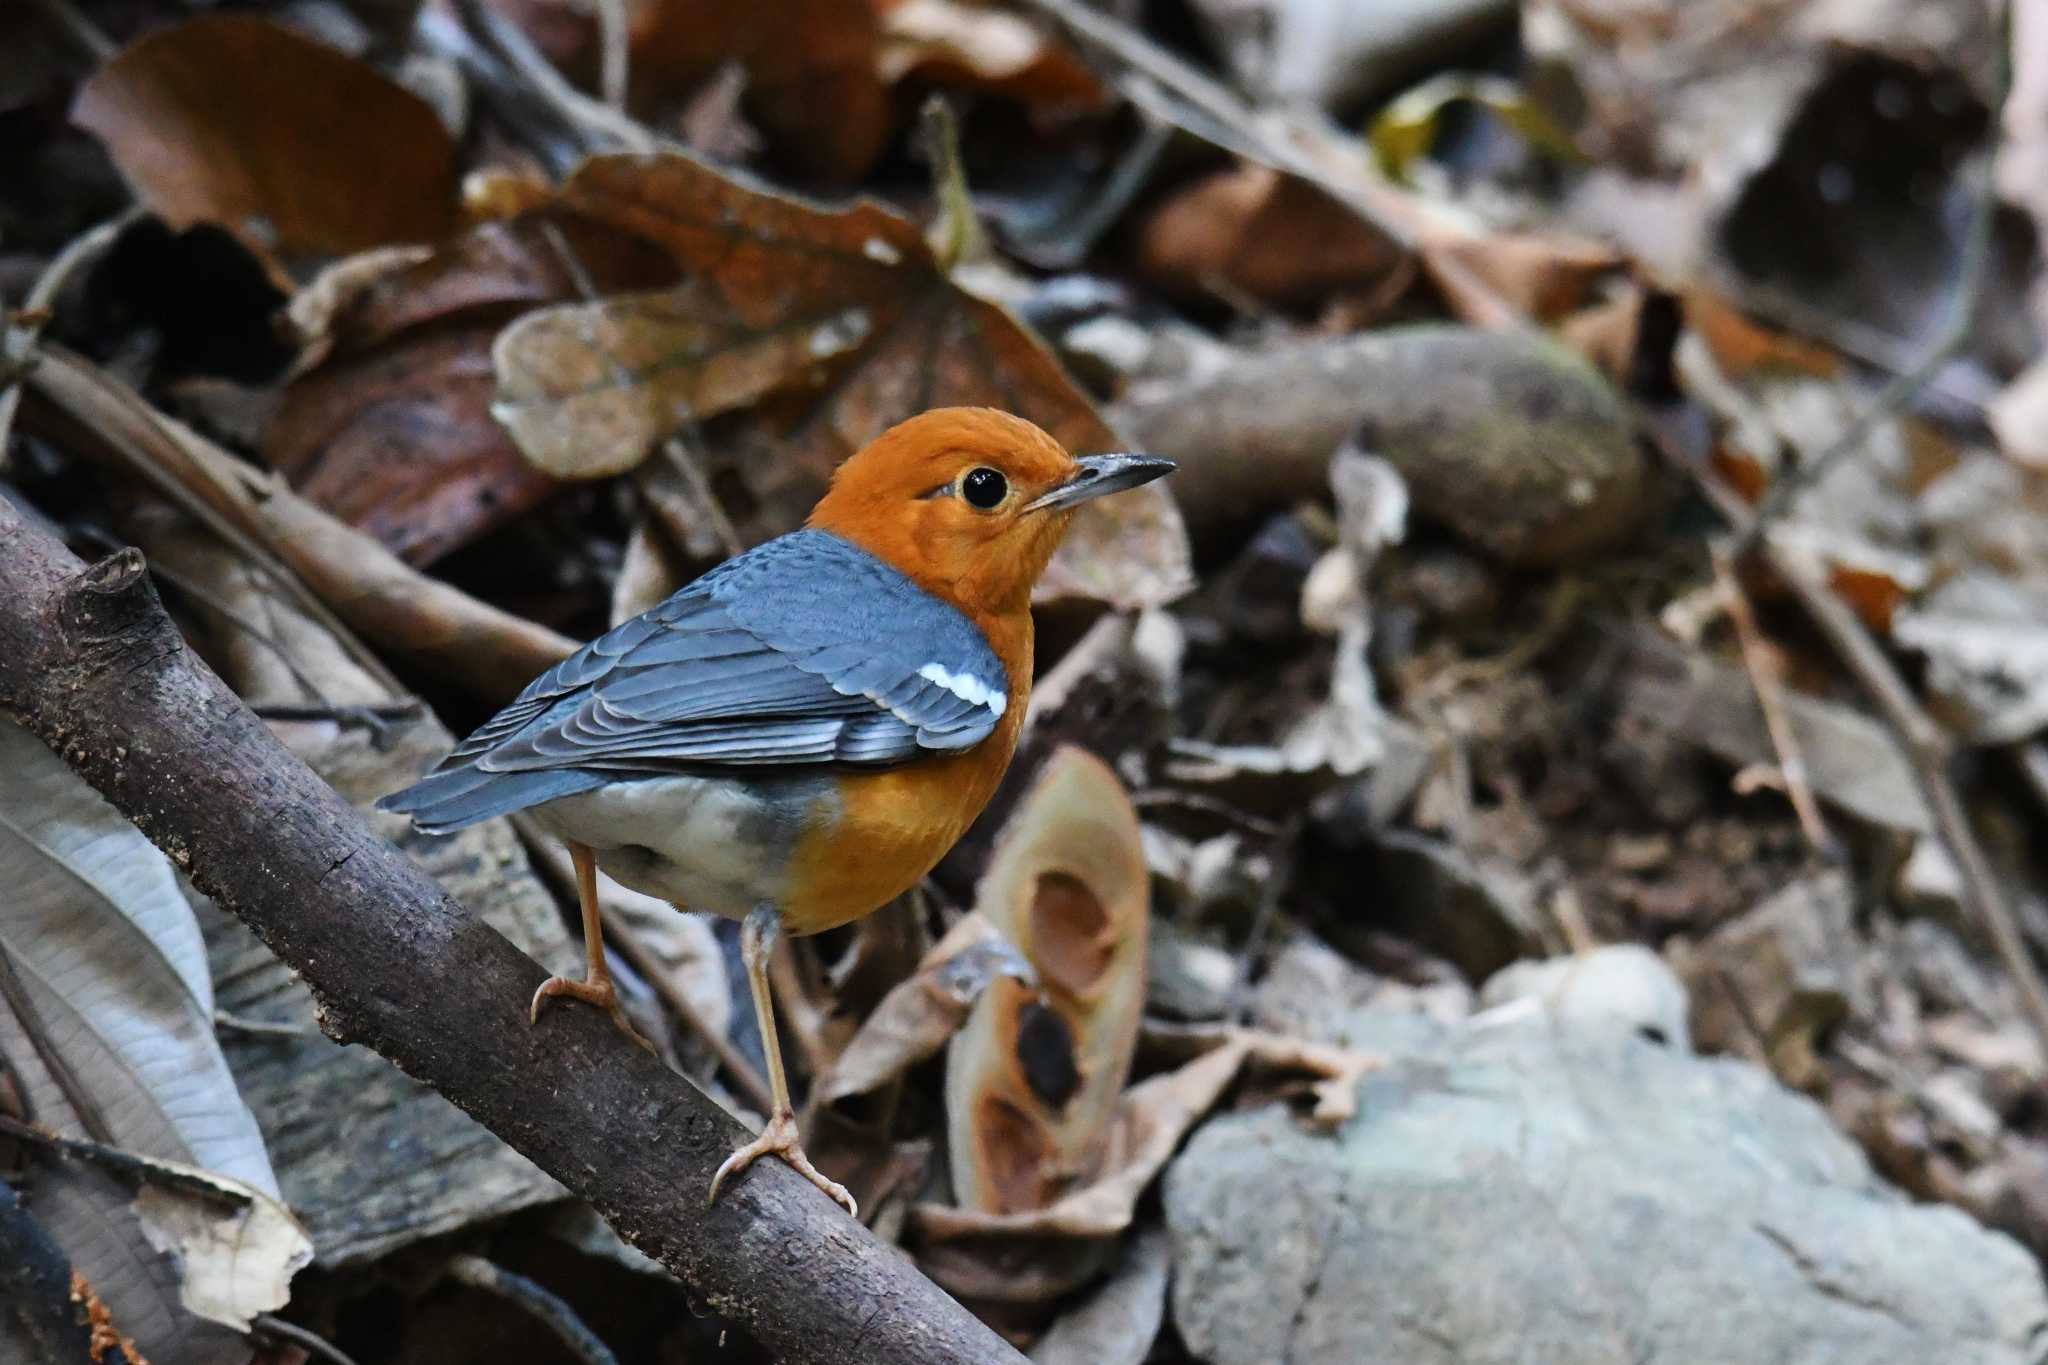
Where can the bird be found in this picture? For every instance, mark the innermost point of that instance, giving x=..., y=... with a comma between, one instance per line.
x=796, y=738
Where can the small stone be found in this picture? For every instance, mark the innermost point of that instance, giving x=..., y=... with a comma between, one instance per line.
x=1618, y=990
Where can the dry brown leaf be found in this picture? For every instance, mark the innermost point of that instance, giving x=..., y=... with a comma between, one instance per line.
x=975, y=47
x=1257, y=232
x=1151, y=1120
x=812, y=77
x=776, y=264
x=391, y=427
x=586, y=390
x=918, y=1016
x=1033, y=1077
x=1544, y=275
x=235, y=120
x=1741, y=347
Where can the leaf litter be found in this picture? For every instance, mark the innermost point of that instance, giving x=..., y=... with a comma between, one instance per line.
x=1446, y=694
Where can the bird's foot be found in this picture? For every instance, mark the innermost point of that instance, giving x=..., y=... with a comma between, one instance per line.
x=780, y=1138
x=599, y=993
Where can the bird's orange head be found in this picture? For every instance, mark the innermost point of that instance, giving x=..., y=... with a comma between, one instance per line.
x=970, y=502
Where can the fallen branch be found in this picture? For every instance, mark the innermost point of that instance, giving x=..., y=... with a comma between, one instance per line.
x=90, y=663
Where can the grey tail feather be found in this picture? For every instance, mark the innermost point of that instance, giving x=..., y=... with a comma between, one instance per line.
x=442, y=803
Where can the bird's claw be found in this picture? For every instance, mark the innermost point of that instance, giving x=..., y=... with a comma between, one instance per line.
x=599, y=993
x=780, y=1138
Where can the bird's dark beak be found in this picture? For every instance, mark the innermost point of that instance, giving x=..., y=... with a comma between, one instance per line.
x=1100, y=474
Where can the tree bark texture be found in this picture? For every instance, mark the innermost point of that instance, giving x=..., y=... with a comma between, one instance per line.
x=91, y=664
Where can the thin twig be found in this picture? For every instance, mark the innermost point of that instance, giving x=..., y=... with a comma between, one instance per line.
x=1766, y=674
x=80, y=251
x=1924, y=743
x=1286, y=848
x=89, y=38
x=260, y=1028
x=169, y=457
x=599, y=126
x=270, y=1325
x=613, y=52
x=550, y=1309
x=1949, y=339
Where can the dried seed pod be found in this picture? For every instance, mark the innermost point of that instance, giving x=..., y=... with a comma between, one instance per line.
x=1033, y=1077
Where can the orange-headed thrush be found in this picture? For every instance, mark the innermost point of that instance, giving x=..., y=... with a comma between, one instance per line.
x=797, y=737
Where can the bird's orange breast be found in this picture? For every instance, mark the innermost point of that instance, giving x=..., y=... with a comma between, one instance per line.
x=893, y=826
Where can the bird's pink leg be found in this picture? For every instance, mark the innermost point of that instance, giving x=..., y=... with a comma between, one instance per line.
x=596, y=986
x=757, y=940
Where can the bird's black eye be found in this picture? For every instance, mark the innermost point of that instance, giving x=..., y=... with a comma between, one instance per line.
x=984, y=488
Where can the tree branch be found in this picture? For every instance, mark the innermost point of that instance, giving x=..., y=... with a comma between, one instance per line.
x=90, y=663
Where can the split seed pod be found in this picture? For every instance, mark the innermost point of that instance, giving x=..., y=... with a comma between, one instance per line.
x=1033, y=1077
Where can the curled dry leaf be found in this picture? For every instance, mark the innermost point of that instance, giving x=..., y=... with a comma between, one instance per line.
x=232, y=119
x=236, y=1254
x=975, y=1253
x=106, y=1018
x=918, y=1016
x=389, y=422
x=1032, y=1078
x=899, y=336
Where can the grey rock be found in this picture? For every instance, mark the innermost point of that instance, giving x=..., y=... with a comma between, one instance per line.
x=1525, y=1195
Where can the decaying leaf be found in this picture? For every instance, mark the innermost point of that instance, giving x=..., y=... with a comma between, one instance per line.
x=108, y=1024
x=812, y=82
x=1545, y=275
x=970, y=46
x=1344, y=734
x=406, y=1165
x=899, y=336
x=236, y=1255
x=922, y=1012
x=1032, y=1078
x=974, y=1252
x=389, y=423
x=1987, y=653
x=587, y=389
x=101, y=946
x=232, y=119
x=1258, y=232
x=1406, y=128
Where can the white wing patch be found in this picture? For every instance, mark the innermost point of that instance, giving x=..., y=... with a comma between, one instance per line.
x=967, y=687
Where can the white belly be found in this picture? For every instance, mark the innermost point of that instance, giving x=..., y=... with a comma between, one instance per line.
x=709, y=844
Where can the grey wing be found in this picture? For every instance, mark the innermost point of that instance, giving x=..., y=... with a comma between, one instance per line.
x=741, y=670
